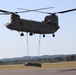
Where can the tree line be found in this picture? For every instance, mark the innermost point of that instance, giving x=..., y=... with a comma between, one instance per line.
x=39, y=60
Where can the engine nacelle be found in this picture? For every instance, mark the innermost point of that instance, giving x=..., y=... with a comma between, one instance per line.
x=52, y=19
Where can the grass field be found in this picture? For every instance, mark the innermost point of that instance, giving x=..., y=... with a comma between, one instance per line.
x=60, y=65
x=45, y=65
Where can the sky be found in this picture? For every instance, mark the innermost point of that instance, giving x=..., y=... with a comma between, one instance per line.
x=64, y=42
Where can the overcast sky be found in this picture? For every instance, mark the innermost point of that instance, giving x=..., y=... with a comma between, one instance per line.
x=64, y=42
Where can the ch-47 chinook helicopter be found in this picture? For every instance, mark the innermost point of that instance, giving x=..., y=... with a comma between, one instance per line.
x=48, y=26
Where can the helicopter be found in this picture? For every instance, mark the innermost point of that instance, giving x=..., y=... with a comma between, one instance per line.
x=48, y=26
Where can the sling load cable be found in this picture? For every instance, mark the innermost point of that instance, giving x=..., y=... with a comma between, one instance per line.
x=38, y=54
x=28, y=52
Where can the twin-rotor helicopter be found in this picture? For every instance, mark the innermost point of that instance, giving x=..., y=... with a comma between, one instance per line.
x=48, y=26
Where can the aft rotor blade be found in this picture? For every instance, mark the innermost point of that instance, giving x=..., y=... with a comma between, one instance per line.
x=58, y=12
x=67, y=11
x=36, y=10
x=43, y=12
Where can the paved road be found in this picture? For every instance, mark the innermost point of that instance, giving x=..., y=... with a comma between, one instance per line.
x=38, y=71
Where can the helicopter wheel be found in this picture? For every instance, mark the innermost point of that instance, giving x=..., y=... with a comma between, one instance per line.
x=43, y=35
x=53, y=35
x=30, y=34
x=22, y=34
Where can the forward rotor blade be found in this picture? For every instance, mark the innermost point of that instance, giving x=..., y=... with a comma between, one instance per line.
x=36, y=10
x=7, y=12
x=3, y=14
x=27, y=10
x=44, y=8
x=23, y=11
x=66, y=11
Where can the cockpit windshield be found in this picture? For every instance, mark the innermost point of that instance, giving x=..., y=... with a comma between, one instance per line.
x=10, y=21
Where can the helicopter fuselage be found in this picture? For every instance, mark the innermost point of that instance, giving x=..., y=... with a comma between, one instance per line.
x=23, y=25
x=48, y=26
x=31, y=26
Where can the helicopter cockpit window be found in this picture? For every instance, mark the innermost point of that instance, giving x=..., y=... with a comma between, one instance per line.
x=10, y=21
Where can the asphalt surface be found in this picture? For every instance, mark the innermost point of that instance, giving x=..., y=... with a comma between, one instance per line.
x=38, y=71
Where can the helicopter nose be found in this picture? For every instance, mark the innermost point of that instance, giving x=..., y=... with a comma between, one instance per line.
x=8, y=26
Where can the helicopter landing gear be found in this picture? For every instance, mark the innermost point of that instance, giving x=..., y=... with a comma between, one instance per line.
x=43, y=35
x=22, y=34
x=30, y=34
x=53, y=35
